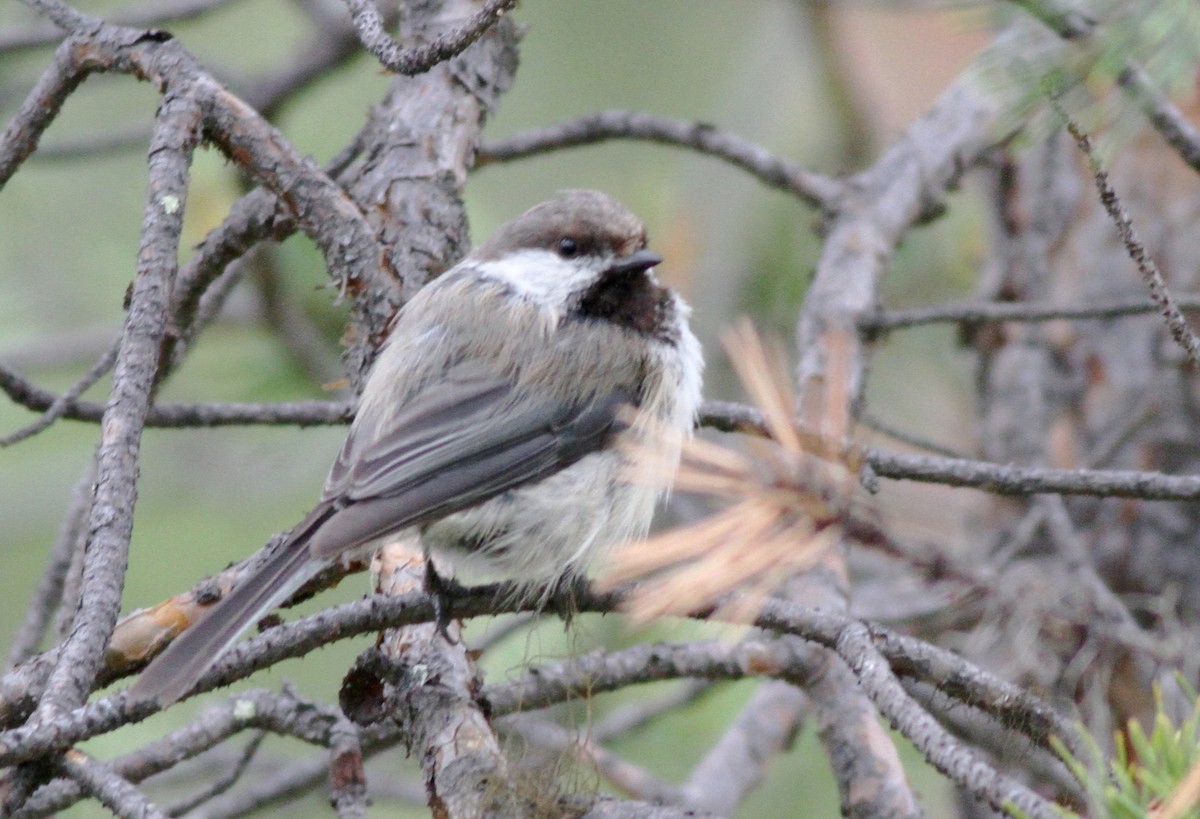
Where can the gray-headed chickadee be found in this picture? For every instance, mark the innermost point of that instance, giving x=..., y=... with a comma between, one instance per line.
x=487, y=422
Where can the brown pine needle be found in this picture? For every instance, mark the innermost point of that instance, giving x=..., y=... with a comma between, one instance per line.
x=783, y=500
x=764, y=383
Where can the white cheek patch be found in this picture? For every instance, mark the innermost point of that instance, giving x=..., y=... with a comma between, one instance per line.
x=542, y=276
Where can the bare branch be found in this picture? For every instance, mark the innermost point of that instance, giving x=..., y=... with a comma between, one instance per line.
x=42, y=105
x=223, y=783
x=284, y=413
x=59, y=406
x=729, y=416
x=765, y=727
x=65, y=16
x=1074, y=26
x=347, y=780
x=984, y=732
x=610, y=807
x=256, y=710
x=905, y=186
x=908, y=656
x=961, y=764
x=602, y=671
x=114, y=792
x=1171, y=312
x=296, y=778
x=812, y=188
x=419, y=59
x=465, y=769
x=1166, y=118
x=138, y=16
x=977, y=313
x=49, y=593
x=1011, y=480
x=990, y=477
x=111, y=520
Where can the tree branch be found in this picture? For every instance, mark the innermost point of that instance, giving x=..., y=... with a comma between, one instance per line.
x=812, y=188
x=175, y=416
x=41, y=106
x=112, y=791
x=1171, y=312
x=138, y=16
x=879, y=323
x=49, y=593
x=419, y=59
x=110, y=523
x=59, y=406
x=1074, y=26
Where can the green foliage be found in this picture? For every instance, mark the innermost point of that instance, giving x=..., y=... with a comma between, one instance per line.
x=1160, y=37
x=1146, y=767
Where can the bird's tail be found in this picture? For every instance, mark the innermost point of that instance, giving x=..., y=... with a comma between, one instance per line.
x=173, y=673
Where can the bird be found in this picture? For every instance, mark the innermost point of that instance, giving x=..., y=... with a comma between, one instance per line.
x=490, y=423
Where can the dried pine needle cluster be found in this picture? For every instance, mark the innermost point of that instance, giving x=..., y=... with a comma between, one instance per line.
x=782, y=502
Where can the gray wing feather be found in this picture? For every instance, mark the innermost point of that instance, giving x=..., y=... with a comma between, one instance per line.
x=446, y=450
x=440, y=456
x=431, y=421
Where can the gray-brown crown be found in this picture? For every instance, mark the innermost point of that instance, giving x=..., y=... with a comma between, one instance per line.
x=594, y=221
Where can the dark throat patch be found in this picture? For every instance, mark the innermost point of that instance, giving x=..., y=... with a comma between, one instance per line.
x=631, y=300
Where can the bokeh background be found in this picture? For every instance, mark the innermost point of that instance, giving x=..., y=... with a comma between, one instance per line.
x=827, y=85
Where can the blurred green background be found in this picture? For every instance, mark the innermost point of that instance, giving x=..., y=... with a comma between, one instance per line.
x=820, y=86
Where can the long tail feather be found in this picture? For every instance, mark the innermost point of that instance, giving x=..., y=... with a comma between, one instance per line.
x=173, y=673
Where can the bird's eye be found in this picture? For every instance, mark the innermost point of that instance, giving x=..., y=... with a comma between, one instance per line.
x=567, y=248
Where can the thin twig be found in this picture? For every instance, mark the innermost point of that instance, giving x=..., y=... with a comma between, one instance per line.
x=222, y=783
x=813, y=188
x=1010, y=480
x=419, y=59
x=58, y=407
x=284, y=413
x=112, y=790
x=296, y=778
x=49, y=593
x=991, y=477
x=1074, y=26
x=1171, y=312
x=960, y=763
x=94, y=146
x=41, y=106
x=877, y=424
x=141, y=15
x=1166, y=118
x=980, y=312
x=264, y=711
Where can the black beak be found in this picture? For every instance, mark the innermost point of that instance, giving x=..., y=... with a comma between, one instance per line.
x=638, y=262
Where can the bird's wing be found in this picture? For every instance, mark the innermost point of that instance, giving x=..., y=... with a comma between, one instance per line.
x=458, y=442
